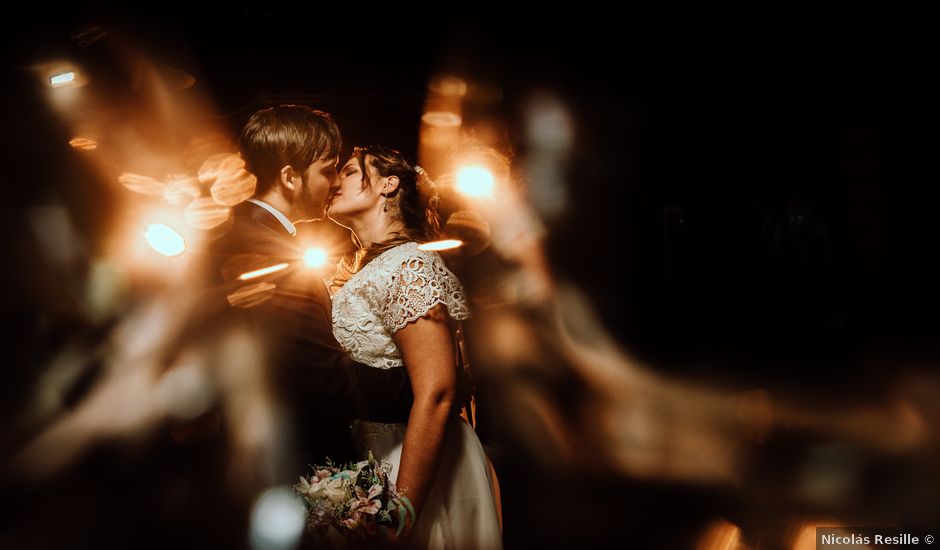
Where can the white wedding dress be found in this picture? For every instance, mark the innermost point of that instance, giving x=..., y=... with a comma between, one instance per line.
x=397, y=287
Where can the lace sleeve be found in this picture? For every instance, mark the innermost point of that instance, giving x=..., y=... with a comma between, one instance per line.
x=421, y=282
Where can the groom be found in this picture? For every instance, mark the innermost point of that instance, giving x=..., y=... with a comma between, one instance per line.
x=293, y=151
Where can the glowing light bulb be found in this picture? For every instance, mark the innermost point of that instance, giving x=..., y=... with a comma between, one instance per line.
x=62, y=79
x=165, y=240
x=475, y=181
x=315, y=257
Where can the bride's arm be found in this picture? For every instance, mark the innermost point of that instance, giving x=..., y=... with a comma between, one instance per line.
x=427, y=349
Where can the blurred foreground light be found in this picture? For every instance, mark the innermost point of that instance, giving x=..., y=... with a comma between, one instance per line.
x=180, y=188
x=222, y=164
x=449, y=86
x=84, y=144
x=549, y=126
x=475, y=181
x=719, y=535
x=231, y=188
x=251, y=295
x=165, y=240
x=62, y=79
x=447, y=244
x=185, y=392
x=262, y=272
x=204, y=145
x=804, y=535
x=141, y=184
x=442, y=119
x=205, y=213
x=315, y=257
x=469, y=227
x=277, y=520
x=177, y=79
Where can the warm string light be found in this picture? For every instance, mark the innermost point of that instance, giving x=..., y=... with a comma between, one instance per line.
x=447, y=244
x=263, y=271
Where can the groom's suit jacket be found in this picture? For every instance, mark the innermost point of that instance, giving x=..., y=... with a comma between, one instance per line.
x=319, y=387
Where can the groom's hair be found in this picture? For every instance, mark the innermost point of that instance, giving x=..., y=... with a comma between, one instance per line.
x=294, y=135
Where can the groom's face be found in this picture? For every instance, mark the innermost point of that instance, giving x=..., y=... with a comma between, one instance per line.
x=318, y=178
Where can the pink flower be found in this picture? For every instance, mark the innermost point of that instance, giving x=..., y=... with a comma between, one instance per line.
x=364, y=506
x=364, y=503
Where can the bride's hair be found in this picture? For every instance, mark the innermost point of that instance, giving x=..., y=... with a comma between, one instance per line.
x=416, y=200
x=415, y=203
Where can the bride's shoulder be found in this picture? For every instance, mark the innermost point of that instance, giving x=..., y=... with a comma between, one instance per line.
x=405, y=250
x=410, y=255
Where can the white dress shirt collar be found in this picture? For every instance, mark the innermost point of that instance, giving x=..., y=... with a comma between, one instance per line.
x=288, y=225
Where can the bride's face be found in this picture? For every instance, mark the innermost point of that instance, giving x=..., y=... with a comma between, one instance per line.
x=352, y=199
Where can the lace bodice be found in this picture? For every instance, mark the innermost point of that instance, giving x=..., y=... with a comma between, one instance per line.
x=396, y=288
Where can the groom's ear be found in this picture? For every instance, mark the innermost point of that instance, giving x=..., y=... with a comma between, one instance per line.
x=287, y=176
x=391, y=184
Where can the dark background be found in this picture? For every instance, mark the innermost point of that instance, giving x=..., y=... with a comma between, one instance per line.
x=753, y=198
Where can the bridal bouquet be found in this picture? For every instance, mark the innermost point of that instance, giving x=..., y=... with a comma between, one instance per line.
x=352, y=501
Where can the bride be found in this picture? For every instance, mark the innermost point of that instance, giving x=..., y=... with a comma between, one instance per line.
x=395, y=306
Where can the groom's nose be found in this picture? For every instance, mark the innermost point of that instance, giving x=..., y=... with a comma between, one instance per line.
x=334, y=185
